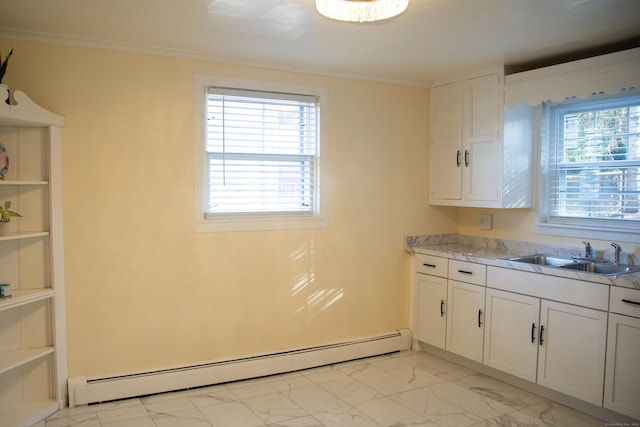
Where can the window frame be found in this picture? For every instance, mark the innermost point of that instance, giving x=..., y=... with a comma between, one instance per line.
x=595, y=228
x=267, y=220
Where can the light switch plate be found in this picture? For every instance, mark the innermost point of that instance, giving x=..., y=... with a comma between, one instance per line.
x=485, y=222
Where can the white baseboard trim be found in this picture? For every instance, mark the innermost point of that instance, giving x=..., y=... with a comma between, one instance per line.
x=85, y=390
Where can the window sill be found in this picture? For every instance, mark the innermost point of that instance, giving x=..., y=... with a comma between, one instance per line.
x=258, y=224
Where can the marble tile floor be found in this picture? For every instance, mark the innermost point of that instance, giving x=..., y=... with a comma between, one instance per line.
x=402, y=389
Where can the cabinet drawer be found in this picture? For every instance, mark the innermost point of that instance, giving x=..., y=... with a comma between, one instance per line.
x=467, y=272
x=433, y=265
x=625, y=301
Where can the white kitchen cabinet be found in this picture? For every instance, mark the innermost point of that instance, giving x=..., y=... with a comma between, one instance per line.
x=572, y=342
x=431, y=296
x=465, y=319
x=449, y=304
x=465, y=299
x=511, y=333
x=472, y=163
x=571, y=339
x=445, y=150
x=33, y=369
x=563, y=343
x=432, y=320
x=481, y=138
x=622, y=379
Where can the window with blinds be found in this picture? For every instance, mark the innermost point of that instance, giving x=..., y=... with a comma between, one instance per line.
x=593, y=161
x=262, y=150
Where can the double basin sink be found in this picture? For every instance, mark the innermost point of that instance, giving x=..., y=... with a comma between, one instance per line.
x=578, y=264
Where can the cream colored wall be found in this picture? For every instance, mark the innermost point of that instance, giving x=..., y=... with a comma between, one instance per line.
x=516, y=224
x=145, y=291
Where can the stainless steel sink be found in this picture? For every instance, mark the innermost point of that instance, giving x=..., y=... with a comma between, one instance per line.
x=602, y=268
x=579, y=264
x=542, y=259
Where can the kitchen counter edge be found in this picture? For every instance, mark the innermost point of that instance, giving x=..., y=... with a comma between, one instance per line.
x=495, y=257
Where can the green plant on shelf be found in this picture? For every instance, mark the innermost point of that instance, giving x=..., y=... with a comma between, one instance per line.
x=6, y=213
x=4, y=63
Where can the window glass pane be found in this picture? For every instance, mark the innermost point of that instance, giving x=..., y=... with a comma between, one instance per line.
x=245, y=184
x=594, y=168
x=262, y=149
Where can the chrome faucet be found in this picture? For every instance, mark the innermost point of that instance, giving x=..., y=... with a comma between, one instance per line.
x=587, y=250
x=616, y=252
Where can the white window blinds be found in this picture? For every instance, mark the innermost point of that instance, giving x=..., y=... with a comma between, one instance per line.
x=262, y=150
x=594, y=163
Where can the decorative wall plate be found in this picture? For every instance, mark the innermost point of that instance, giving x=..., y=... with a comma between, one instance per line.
x=4, y=162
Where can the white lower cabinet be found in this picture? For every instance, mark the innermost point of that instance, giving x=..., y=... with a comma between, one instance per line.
x=555, y=332
x=465, y=319
x=431, y=297
x=557, y=345
x=431, y=322
x=622, y=385
x=549, y=330
x=622, y=380
x=572, y=344
x=511, y=333
x=449, y=314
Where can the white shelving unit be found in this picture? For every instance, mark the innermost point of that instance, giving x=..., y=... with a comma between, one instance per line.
x=33, y=369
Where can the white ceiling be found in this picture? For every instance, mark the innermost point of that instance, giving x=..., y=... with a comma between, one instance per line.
x=430, y=40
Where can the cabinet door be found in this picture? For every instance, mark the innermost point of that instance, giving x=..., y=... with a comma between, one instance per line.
x=511, y=333
x=622, y=380
x=481, y=141
x=572, y=343
x=431, y=311
x=465, y=319
x=446, y=142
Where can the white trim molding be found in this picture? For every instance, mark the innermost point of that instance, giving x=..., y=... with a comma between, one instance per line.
x=606, y=73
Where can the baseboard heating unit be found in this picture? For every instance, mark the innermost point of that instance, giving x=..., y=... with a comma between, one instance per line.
x=85, y=390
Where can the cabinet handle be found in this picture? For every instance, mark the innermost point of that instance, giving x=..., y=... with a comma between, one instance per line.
x=541, y=340
x=465, y=272
x=429, y=265
x=466, y=158
x=533, y=332
x=441, y=308
x=479, y=318
x=458, y=158
x=628, y=301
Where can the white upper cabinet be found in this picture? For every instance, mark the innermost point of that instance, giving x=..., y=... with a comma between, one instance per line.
x=480, y=154
x=481, y=137
x=446, y=142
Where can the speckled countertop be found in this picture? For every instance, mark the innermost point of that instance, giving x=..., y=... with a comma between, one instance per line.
x=493, y=251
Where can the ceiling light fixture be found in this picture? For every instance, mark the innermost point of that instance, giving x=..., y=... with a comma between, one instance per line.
x=361, y=10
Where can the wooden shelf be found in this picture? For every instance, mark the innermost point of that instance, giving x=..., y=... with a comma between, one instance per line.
x=23, y=235
x=35, y=183
x=11, y=359
x=28, y=413
x=22, y=297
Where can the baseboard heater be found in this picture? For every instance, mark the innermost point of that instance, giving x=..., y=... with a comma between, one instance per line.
x=86, y=390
